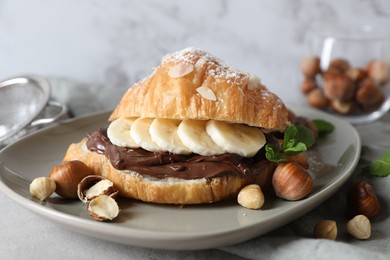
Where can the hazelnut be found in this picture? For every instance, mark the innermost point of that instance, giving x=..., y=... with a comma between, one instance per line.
x=316, y=98
x=339, y=66
x=357, y=74
x=379, y=71
x=42, y=187
x=338, y=86
x=369, y=94
x=291, y=182
x=251, y=197
x=93, y=186
x=326, y=229
x=308, y=85
x=67, y=177
x=359, y=227
x=344, y=108
x=310, y=66
x=300, y=159
x=362, y=200
x=103, y=208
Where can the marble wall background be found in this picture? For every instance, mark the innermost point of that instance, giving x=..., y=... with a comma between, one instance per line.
x=116, y=43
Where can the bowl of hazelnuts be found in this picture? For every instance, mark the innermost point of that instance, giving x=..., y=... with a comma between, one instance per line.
x=356, y=91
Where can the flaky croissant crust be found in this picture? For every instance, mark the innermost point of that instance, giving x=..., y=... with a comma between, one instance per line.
x=239, y=97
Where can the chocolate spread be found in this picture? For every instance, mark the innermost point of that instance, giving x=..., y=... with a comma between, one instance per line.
x=164, y=164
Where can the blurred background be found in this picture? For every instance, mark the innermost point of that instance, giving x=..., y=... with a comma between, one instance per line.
x=103, y=47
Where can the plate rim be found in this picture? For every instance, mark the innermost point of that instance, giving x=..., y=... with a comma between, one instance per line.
x=164, y=238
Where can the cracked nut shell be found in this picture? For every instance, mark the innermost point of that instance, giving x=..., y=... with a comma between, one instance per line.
x=93, y=186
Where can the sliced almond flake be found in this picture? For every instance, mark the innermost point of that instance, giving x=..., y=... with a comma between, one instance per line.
x=206, y=93
x=180, y=70
x=253, y=82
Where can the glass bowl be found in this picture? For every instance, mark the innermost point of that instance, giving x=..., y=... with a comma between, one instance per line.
x=346, y=62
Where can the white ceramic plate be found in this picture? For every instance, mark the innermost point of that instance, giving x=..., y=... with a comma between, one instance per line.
x=163, y=226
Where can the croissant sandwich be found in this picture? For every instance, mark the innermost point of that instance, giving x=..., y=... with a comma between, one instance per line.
x=192, y=132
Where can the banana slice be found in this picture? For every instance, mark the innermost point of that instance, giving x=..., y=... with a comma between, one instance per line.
x=236, y=138
x=164, y=133
x=119, y=132
x=140, y=133
x=193, y=134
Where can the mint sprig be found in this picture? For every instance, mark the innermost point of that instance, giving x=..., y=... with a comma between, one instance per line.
x=297, y=139
x=379, y=167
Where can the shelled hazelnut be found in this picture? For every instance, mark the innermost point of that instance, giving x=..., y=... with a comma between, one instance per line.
x=345, y=89
x=326, y=229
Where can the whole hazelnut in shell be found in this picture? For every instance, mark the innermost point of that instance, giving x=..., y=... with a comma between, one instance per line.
x=362, y=200
x=379, y=71
x=310, y=66
x=357, y=74
x=338, y=86
x=370, y=95
x=307, y=85
x=339, y=65
x=67, y=176
x=291, y=182
x=316, y=98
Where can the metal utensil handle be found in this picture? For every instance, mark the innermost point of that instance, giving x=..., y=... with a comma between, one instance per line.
x=43, y=121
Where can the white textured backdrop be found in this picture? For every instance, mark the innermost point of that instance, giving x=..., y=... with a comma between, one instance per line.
x=117, y=42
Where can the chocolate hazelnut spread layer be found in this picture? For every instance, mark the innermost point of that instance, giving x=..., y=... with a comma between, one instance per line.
x=164, y=164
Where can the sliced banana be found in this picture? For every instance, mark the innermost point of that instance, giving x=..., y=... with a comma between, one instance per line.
x=164, y=133
x=119, y=132
x=140, y=133
x=193, y=134
x=236, y=138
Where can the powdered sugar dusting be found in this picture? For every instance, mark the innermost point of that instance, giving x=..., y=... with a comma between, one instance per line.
x=215, y=67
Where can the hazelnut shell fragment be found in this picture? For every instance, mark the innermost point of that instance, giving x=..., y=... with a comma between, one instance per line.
x=93, y=186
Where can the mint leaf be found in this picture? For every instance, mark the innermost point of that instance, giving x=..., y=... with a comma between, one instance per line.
x=380, y=167
x=274, y=154
x=297, y=139
x=323, y=126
